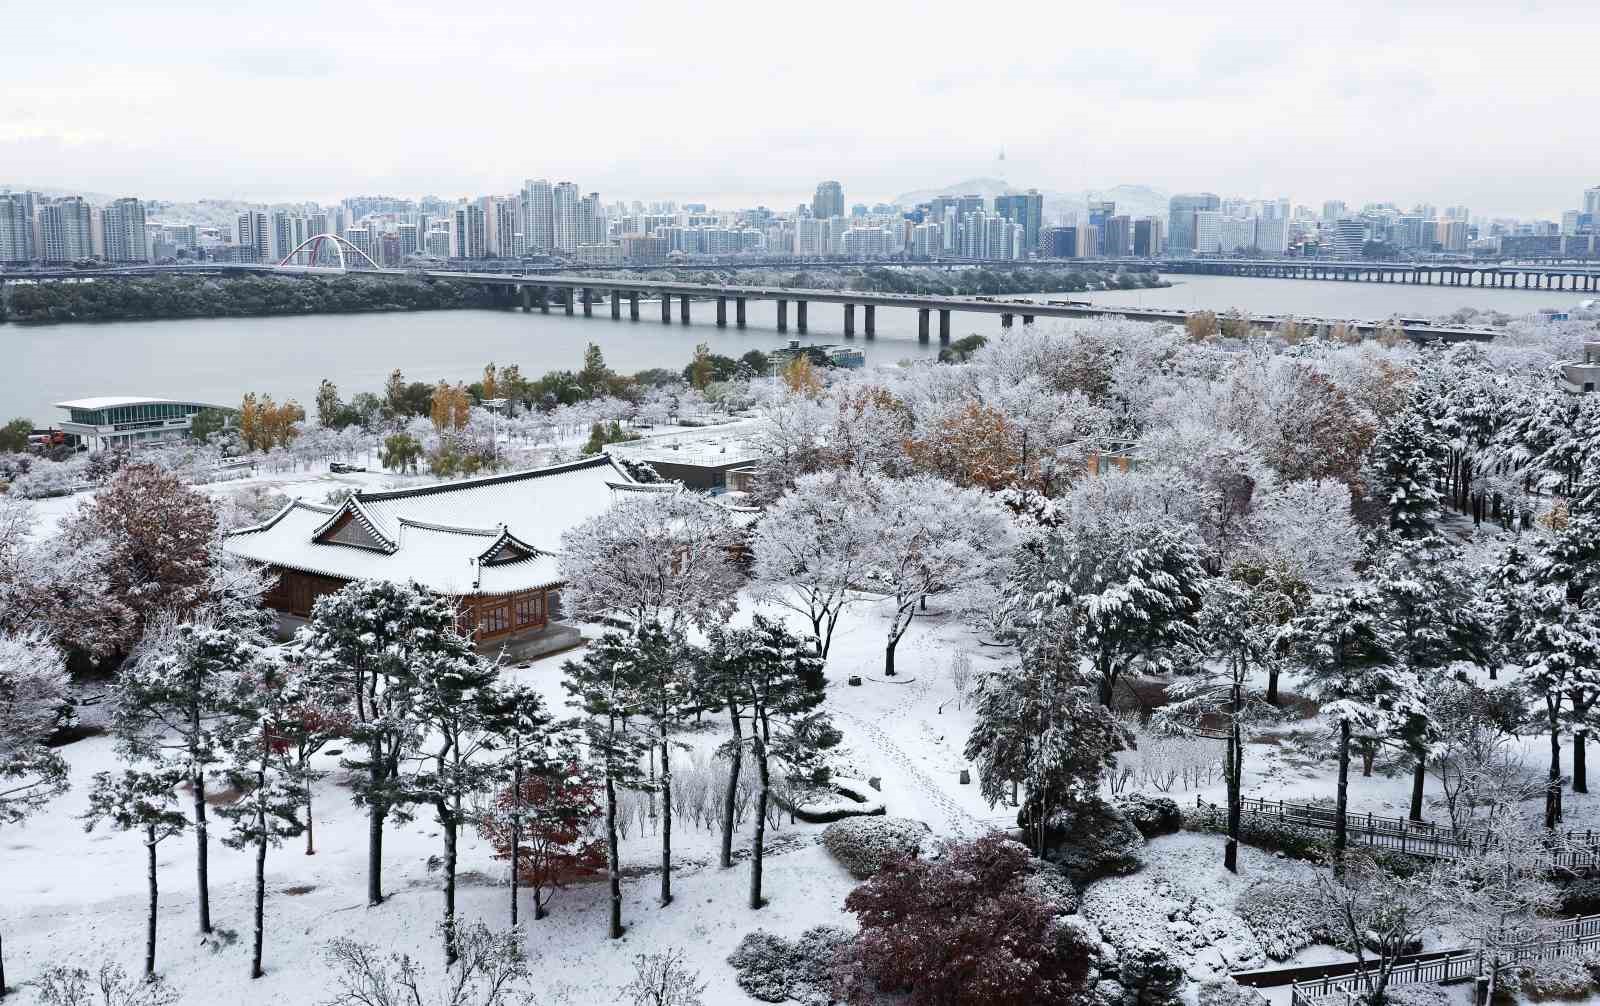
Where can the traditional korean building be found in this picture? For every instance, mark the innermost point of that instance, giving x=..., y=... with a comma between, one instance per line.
x=489, y=543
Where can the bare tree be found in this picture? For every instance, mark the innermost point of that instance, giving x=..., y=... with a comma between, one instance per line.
x=663, y=980
x=64, y=986
x=1381, y=916
x=491, y=971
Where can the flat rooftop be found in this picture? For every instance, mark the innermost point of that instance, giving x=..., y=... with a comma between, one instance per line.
x=122, y=401
x=700, y=452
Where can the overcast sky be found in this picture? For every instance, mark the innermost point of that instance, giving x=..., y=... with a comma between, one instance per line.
x=1495, y=105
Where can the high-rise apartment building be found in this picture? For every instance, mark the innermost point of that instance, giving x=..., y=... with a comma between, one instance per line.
x=538, y=202
x=1181, y=210
x=66, y=229
x=1333, y=209
x=16, y=227
x=564, y=210
x=1591, y=201
x=591, y=221
x=1147, y=237
x=1207, y=232
x=252, y=237
x=1272, y=234
x=468, y=232
x=829, y=201
x=1025, y=209
x=123, y=225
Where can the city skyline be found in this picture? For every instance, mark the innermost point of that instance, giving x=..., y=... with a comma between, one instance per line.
x=187, y=102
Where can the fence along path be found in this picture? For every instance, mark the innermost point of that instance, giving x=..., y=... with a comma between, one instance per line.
x=1581, y=852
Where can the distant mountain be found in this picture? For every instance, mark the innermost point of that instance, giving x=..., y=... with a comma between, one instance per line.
x=1134, y=200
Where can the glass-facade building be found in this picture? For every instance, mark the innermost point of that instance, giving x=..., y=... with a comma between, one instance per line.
x=119, y=423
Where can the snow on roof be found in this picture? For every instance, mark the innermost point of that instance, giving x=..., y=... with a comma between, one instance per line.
x=492, y=535
x=704, y=453
x=121, y=401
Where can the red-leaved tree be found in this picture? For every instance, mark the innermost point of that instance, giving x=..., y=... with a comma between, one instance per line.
x=977, y=925
x=551, y=820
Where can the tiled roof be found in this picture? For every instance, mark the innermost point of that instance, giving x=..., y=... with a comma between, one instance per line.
x=493, y=535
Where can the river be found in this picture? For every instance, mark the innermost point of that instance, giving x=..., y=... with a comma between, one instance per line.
x=218, y=360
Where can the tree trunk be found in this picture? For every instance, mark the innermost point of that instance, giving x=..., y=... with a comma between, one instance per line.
x=1369, y=752
x=666, y=820
x=150, y=921
x=311, y=845
x=1343, y=802
x=261, y=893
x=759, y=749
x=200, y=871
x=730, y=799
x=2, y=967
x=1272, y=685
x=516, y=840
x=1552, y=793
x=375, y=816
x=888, y=657
x=1419, y=778
x=448, y=819
x=1580, y=773
x=613, y=868
x=1106, y=689
x=1230, y=852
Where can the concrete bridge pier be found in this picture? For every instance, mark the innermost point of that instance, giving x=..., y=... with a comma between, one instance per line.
x=683, y=309
x=1027, y=319
x=871, y=320
x=944, y=325
x=783, y=316
x=527, y=298
x=666, y=309
x=922, y=324
x=849, y=320
x=633, y=306
x=722, y=312
x=566, y=299
x=1005, y=321
x=800, y=316
x=738, y=311
x=588, y=303
x=616, y=305
x=543, y=296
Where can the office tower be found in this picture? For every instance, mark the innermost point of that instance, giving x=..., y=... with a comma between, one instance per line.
x=1333, y=209
x=1181, y=210
x=1349, y=234
x=1119, y=236
x=361, y=238
x=1591, y=201
x=1147, y=237
x=467, y=233
x=829, y=201
x=564, y=218
x=16, y=227
x=1272, y=234
x=1207, y=232
x=123, y=225
x=1236, y=234
x=251, y=236
x=1026, y=209
x=1453, y=235
x=66, y=229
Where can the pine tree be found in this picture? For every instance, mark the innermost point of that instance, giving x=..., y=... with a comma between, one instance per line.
x=1406, y=475
x=667, y=696
x=33, y=690
x=175, y=704
x=262, y=767
x=361, y=651
x=1343, y=644
x=608, y=686
x=535, y=755
x=140, y=800
x=720, y=676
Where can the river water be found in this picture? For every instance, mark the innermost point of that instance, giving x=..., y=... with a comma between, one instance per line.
x=218, y=360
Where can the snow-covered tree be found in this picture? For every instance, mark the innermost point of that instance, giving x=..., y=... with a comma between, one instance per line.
x=1127, y=591
x=492, y=970
x=810, y=549
x=663, y=979
x=1405, y=475
x=1039, y=725
x=607, y=685
x=1380, y=913
x=175, y=702
x=261, y=767
x=1228, y=478
x=1343, y=645
x=140, y=800
x=667, y=693
x=1238, y=627
x=1307, y=527
x=461, y=715
x=33, y=691
x=59, y=586
x=925, y=536
x=662, y=557
x=361, y=651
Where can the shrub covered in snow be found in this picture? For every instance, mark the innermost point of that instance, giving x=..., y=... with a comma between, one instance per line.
x=1558, y=978
x=847, y=798
x=966, y=927
x=1090, y=839
x=865, y=844
x=1153, y=816
x=1227, y=992
x=1151, y=972
x=1581, y=897
x=1283, y=918
x=1417, y=995
x=1296, y=840
x=776, y=970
